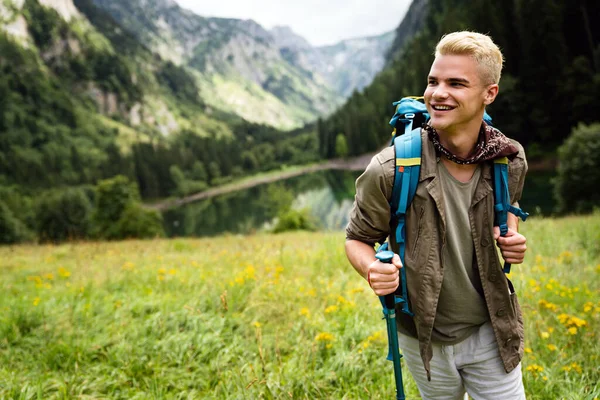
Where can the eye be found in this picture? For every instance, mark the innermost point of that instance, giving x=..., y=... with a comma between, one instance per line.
x=431, y=82
x=457, y=84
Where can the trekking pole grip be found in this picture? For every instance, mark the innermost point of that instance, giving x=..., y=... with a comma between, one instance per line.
x=386, y=257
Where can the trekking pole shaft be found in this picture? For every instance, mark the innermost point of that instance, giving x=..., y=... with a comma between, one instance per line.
x=389, y=305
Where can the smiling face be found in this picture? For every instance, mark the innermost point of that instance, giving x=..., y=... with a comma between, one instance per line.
x=456, y=96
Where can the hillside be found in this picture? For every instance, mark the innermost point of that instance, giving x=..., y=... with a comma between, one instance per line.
x=237, y=63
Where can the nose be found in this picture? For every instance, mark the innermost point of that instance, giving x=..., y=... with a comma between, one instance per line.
x=439, y=92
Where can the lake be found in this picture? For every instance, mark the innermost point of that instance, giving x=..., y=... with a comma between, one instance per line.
x=327, y=195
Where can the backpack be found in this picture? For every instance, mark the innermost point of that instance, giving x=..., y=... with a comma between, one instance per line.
x=410, y=114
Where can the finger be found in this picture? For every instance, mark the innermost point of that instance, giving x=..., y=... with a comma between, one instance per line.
x=376, y=277
x=513, y=254
x=387, y=269
x=521, y=248
x=512, y=240
x=396, y=261
x=385, y=285
x=514, y=261
x=496, y=233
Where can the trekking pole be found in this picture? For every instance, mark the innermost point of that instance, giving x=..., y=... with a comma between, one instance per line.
x=388, y=302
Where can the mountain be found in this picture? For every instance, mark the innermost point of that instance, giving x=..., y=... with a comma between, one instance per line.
x=274, y=77
x=345, y=67
x=237, y=63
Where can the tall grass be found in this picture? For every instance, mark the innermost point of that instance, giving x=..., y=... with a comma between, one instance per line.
x=260, y=317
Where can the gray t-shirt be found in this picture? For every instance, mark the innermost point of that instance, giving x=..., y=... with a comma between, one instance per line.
x=461, y=307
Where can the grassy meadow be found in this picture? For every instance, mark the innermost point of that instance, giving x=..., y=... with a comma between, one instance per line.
x=261, y=317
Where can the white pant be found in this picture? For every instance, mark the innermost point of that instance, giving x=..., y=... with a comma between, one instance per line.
x=473, y=365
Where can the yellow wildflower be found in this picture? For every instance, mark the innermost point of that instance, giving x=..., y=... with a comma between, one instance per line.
x=162, y=271
x=256, y=324
x=587, y=307
x=566, y=257
x=573, y=367
x=331, y=309
x=36, y=301
x=528, y=350
x=534, y=368
x=324, y=337
x=547, y=305
x=563, y=318
x=572, y=330
x=305, y=311
x=552, y=347
x=63, y=272
x=545, y=335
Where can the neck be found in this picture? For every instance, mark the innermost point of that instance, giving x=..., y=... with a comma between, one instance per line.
x=461, y=141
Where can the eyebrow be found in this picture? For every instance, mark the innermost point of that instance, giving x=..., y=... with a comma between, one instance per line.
x=458, y=80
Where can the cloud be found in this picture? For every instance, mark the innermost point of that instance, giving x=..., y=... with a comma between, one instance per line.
x=320, y=22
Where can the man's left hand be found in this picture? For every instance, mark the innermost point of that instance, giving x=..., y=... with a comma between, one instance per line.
x=512, y=246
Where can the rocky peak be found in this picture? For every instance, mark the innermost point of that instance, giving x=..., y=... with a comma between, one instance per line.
x=285, y=37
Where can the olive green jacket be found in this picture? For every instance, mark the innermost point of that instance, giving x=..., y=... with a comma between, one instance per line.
x=426, y=237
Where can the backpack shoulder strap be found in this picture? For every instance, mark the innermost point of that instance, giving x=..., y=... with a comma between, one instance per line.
x=502, y=205
x=406, y=178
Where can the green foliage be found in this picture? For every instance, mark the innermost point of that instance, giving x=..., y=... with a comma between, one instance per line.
x=294, y=220
x=179, y=81
x=185, y=186
x=11, y=229
x=136, y=222
x=113, y=197
x=578, y=179
x=63, y=215
x=341, y=145
x=119, y=214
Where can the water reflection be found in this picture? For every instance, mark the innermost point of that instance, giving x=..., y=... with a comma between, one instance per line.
x=328, y=195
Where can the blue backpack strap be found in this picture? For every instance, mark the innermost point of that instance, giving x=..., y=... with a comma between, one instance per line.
x=406, y=178
x=502, y=204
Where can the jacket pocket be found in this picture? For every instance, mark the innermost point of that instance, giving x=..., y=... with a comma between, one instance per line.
x=415, y=249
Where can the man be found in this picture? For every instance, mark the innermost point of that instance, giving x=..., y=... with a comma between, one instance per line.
x=467, y=331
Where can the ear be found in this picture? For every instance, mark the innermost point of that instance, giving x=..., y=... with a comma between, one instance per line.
x=490, y=94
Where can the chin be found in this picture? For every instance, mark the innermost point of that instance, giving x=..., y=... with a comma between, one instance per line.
x=438, y=124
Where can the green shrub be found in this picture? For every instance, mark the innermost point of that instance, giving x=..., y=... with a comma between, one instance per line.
x=137, y=222
x=63, y=214
x=578, y=180
x=20, y=204
x=294, y=220
x=113, y=196
x=119, y=214
x=11, y=229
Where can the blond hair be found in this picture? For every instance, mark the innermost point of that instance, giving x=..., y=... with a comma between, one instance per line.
x=478, y=46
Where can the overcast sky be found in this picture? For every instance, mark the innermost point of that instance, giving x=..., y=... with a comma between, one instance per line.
x=321, y=22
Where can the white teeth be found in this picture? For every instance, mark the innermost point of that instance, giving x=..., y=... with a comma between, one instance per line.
x=442, y=107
